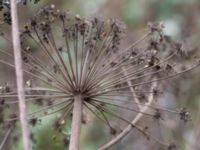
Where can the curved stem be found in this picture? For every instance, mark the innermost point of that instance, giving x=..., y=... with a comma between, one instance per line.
x=76, y=123
x=134, y=121
x=131, y=88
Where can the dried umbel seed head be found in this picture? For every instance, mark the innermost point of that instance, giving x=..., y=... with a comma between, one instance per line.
x=83, y=57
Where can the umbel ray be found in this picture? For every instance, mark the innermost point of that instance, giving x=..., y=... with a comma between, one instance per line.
x=76, y=66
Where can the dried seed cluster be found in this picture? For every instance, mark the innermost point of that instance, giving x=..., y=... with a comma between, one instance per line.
x=80, y=56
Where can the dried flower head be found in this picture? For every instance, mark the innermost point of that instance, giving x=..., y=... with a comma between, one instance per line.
x=66, y=57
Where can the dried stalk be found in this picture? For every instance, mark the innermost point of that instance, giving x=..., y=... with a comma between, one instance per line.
x=134, y=121
x=19, y=76
x=132, y=89
x=76, y=123
x=5, y=138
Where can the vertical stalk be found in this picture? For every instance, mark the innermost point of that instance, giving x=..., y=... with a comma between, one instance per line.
x=19, y=76
x=76, y=123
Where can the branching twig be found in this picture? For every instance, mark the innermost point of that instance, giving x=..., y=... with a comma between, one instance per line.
x=130, y=126
x=19, y=75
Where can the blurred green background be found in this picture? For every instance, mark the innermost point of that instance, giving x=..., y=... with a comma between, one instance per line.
x=182, y=21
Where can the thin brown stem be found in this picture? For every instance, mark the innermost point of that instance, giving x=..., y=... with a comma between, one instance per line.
x=134, y=121
x=5, y=138
x=131, y=88
x=76, y=123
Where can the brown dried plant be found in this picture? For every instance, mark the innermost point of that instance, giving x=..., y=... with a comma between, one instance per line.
x=74, y=66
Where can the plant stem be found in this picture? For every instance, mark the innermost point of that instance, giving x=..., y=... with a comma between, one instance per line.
x=5, y=138
x=131, y=88
x=76, y=123
x=134, y=121
x=19, y=76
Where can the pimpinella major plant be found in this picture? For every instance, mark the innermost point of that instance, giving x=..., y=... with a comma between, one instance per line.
x=75, y=66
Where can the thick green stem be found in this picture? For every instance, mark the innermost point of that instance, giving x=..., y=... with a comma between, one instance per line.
x=76, y=123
